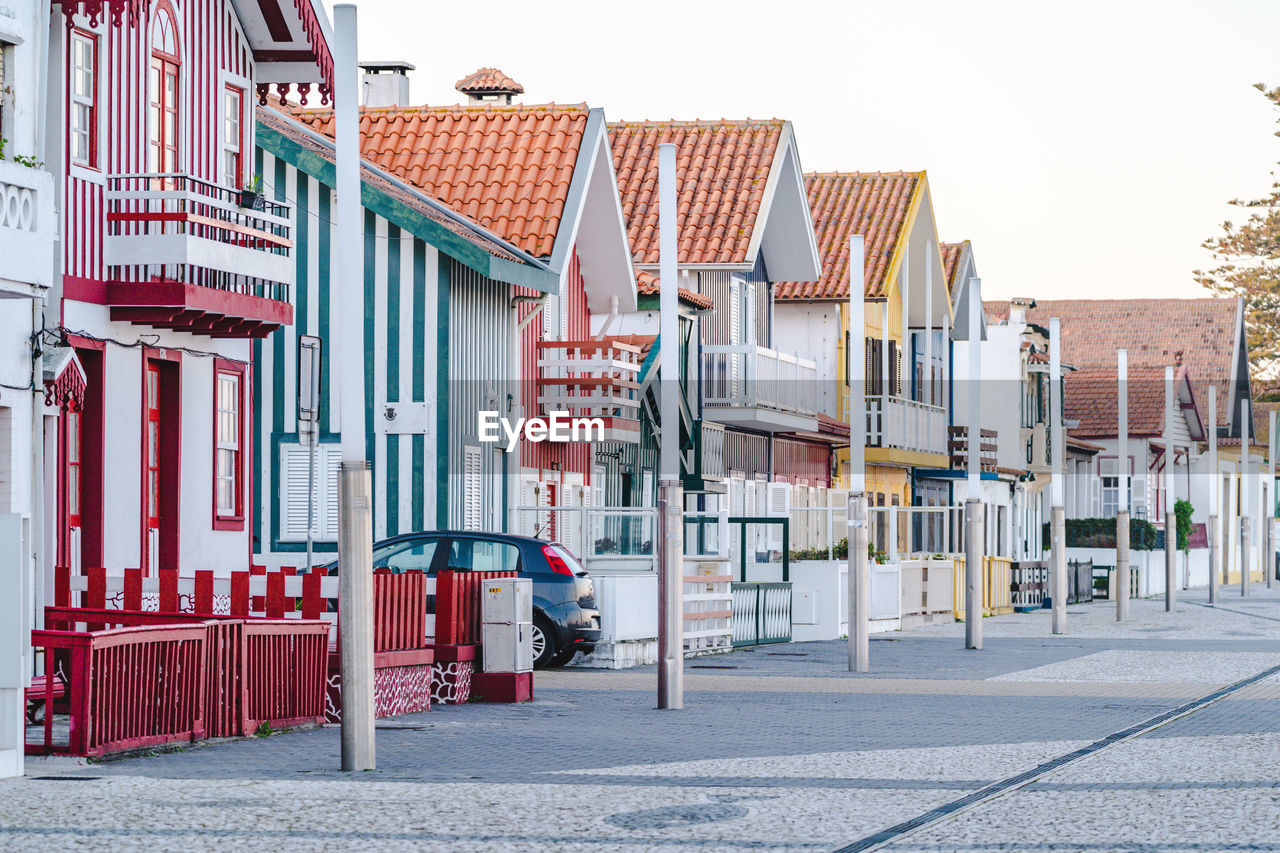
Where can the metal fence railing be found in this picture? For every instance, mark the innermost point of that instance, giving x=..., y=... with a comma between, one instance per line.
x=761, y=613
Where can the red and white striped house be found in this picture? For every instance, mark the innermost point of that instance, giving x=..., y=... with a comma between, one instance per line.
x=175, y=258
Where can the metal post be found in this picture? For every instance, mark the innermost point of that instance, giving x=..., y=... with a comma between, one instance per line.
x=973, y=574
x=1122, y=476
x=973, y=506
x=1170, y=517
x=355, y=609
x=1269, y=501
x=859, y=587
x=1057, y=484
x=670, y=600
x=1215, y=545
x=670, y=565
x=355, y=530
x=1246, y=495
x=311, y=490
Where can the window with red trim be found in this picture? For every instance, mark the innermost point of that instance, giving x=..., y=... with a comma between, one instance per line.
x=73, y=467
x=233, y=136
x=165, y=61
x=228, y=438
x=83, y=99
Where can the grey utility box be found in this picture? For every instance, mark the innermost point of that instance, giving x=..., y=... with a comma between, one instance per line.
x=506, y=631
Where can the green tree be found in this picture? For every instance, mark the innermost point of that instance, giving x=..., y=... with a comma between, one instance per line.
x=1247, y=255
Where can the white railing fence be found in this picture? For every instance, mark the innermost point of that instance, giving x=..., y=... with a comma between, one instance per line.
x=749, y=375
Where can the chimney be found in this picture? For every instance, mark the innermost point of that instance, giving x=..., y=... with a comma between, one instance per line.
x=385, y=84
x=1018, y=307
x=488, y=87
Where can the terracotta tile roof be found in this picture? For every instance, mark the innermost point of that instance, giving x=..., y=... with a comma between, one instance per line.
x=1081, y=444
x=270, y=117
x=873, y=204
x=1091, y=396
x=951, y=254
x=722, y=168
x=506, y=167
x=488, y=80
x=647, y=285
x=1153, y=331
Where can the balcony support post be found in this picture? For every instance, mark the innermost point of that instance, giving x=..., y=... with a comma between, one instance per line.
x=973, y=506
x=670, y=564
x=1122, y=477
x=1057, y=484
x=1246, y=495
x=1170, y=517
x=355, y=531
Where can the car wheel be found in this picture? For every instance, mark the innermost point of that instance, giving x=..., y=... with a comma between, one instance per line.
x=544, y=642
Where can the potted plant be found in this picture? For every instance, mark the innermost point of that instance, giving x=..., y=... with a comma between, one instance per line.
x=251, y=194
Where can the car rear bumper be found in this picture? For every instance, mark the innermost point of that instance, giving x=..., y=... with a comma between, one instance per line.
x=578, y=627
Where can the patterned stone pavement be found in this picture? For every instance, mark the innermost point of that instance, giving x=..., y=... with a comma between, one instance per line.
x=779, y=748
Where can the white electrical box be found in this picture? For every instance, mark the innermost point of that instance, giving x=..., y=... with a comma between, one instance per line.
x=506, y=630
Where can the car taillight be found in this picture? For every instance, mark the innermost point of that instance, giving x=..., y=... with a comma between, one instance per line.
x=557, y=563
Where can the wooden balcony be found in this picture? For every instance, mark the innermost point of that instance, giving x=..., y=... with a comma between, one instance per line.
x=958, y=445
x=186, y=254
x=759, y=388
x=592, y=379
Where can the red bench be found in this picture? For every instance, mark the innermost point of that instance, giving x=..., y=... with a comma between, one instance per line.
x=41, y=691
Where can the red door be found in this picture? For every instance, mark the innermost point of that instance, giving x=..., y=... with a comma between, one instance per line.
x=69, y=452
x=151, y=479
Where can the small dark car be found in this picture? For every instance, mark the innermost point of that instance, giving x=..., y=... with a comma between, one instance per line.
x=565, y=618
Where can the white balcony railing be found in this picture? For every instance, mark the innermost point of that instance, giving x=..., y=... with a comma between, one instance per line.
x=901, y=424
x=750, y=376
x=593, y=379
x=27, y=225
x=177, y=227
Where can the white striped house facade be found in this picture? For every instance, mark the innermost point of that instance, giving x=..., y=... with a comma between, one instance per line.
x=167, y=272
x=439, y=332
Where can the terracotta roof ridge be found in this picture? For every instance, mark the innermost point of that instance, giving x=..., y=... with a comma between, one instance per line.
x=470, y=109
x=901, y=173
x=697, y=122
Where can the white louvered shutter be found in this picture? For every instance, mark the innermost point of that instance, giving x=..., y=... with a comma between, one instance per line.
x=527, y=521
x=472, y=496
x=328, y=475
x=779, y=506
x=293, y=492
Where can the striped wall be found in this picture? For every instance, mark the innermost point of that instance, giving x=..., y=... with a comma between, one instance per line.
x=212, y=46
x=405, y=301
x=565, y=317
x=480, y=336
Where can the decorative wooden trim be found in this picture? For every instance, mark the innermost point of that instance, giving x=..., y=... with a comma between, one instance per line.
x=235, y=521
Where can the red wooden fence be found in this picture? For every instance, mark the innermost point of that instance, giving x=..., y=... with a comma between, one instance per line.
x=399, y=611
x=241, y=673
x=125, y=688
x=400, y=600
x=458, y=605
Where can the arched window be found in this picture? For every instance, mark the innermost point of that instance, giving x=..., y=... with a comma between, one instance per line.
x=165, y=97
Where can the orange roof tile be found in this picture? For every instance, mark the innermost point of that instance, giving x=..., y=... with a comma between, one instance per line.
x=951, y=254
x=722, y=168
x=276, y=119
x=506, y=167
x=873, y=204
x=488, y=80
x=1091, y=396
x=1153, y=331
x=647, y=285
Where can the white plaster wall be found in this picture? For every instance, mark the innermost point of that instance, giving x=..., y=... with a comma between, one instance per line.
x=201, y=547
x=812, y=331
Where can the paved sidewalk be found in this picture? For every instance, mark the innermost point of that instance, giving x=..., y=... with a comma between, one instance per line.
x=779, y=748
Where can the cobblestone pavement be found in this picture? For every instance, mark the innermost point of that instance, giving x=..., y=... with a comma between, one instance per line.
x=1036, y=742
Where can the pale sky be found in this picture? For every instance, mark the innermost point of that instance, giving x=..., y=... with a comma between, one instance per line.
x=1086, y=147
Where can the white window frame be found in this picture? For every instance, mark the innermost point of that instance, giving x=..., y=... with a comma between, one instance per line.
x=93, y=155
x=223, y=444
